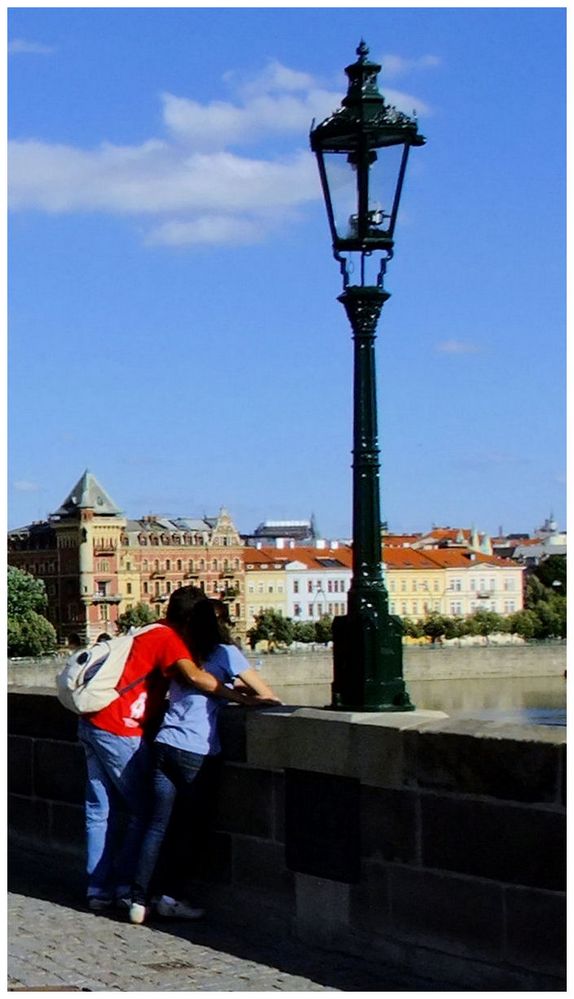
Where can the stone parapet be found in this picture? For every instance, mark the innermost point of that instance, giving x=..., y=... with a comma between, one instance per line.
x=435, y=844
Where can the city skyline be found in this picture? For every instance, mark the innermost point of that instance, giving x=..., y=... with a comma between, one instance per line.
x=173, y=316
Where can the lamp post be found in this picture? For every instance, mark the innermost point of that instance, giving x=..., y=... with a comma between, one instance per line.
x=362, y=151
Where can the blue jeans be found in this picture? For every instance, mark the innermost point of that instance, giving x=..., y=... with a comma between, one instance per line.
x=174, y=771
x=118, y=777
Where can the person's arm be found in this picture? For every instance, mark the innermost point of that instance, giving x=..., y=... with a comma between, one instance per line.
x=208, y=684
x=251, y=680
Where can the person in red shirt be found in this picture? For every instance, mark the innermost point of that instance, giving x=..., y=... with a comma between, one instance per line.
x=117, y=750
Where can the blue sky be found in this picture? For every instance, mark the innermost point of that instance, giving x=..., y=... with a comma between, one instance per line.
x=173, y=322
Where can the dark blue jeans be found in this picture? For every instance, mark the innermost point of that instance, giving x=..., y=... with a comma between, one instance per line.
x=174, y=771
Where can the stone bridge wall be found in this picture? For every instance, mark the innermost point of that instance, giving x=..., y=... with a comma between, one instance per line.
x=437, y=845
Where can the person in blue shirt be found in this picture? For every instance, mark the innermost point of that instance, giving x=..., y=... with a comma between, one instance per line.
x=187, y=736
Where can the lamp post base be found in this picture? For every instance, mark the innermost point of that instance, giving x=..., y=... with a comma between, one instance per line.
x=368, y=664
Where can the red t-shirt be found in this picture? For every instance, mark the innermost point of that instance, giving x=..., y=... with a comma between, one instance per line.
x=152, y=653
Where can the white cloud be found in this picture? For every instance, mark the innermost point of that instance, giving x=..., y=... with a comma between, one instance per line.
x=456, y=347
x=20, y=46
x=23, y=486
x=395, y=65
x=194, y=182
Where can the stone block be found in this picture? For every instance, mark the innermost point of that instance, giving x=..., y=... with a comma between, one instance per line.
x=59, y=771
x=389, y=824
x=231, y=728
x=379, y=754
x=29, y=819
x=20, y=770
x=369, y=901
x=512, y=844
x=267, y=738
x=461, y=915
x=321, y=742
x=262, y=863
x=322, y=825
x=67, y=826
x=279, y=807
x=245, y=801
x=484, y=763
x=536, y=930
x=322, y=911
x=41, y=716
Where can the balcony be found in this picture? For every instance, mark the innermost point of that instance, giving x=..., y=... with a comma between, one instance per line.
x=106, y=598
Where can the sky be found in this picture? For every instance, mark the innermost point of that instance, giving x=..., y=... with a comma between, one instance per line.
x=173, y=316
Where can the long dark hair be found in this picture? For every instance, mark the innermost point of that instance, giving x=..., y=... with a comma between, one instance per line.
x=192, y=614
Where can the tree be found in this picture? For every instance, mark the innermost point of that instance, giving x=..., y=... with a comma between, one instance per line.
x=454, y=627
x=324, y=629
x=413, y=629
x=524, y=623
x=552, y=573
x=272, y=627
x=434, y=626
x=29, y=632
x=137, y=616
x=25, y=593
x=484, y=622
x=304, y=631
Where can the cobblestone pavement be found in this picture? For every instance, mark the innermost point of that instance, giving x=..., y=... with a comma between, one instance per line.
x=56, y=944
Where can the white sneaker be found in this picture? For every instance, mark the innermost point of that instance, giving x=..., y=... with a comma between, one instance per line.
x=137, y=913
x=170, y=908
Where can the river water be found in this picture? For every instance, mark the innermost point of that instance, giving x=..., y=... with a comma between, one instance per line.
x=534, y=699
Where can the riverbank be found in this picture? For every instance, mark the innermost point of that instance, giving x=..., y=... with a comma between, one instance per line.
x=299, y=668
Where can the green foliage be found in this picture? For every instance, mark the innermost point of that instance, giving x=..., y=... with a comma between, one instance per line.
x=414, y=629
x=304, y=631
x=484, y=623
x=138, y=615
x=25, y=593
x=523, y=623
x=552, y=573
x=31, y=634
x=547, y=603
x=272, y=627
x=434, y=626
x=324, y=629
x=454, y=627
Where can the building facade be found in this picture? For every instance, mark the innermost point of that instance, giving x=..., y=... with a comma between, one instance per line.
x=97, y=564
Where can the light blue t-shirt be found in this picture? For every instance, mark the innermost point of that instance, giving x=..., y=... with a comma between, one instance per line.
x=190, y=721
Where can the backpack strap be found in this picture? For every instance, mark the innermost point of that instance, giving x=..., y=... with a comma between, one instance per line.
x=134, y=683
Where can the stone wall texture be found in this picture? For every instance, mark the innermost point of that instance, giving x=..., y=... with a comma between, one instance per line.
x=435, y=844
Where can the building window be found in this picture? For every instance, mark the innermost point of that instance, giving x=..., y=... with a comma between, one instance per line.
x=456, y=608
x=309, y=586
x=270, y=588
x=104, y=612
x=403, y=586
x=330, y=586
x=297, y=610
x=102, y=589
x=295, y=586
x=319, y=609
x=179, y=565
x=310, y=610
x=168, y=565
x=128, y=589
x=146, y=587
x=251, y=588
x=415, y=586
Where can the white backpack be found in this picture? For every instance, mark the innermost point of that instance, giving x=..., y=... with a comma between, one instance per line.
x=88, y=681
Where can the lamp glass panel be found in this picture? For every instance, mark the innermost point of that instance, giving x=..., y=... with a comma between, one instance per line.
x=342, y=181
x=383, y=179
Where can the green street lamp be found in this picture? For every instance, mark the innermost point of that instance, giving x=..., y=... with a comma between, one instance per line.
x=362, y=151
